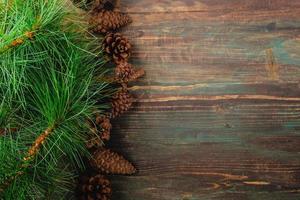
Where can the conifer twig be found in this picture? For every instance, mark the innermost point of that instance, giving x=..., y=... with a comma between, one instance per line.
x=28, y=35
x=33, y=150
x=38, y=143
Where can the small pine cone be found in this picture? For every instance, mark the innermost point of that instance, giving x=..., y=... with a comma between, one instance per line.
x=99, y=5
x=121, y=102
x=111, y=163
x=105, y=125
x=117, y=47
x=125, y=73
x=94, y=142
x=103, y=122
x=94, y=188
x=106, y=21
x=105, y=136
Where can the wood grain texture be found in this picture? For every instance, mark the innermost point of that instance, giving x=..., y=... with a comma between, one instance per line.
x=218, y=114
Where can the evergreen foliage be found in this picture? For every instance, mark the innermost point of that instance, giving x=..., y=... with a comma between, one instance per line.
x=51, y=80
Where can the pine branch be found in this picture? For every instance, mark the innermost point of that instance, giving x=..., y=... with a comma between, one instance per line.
x=50, y=80
x=38, y=143
x=28, y=35
x=30, y=155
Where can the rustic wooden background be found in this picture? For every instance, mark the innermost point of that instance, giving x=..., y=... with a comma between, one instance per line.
x=218, y=114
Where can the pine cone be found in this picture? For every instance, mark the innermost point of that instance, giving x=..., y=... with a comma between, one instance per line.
x=106, y=21
x=111, y=163
x=125, y=73
x=121, y=102
x=94, y=188
x=105, y=125
x=94, y=142
x=117, y=47
x=105, y=5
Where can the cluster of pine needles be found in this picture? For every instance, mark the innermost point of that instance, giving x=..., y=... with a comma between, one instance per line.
x=51, y=82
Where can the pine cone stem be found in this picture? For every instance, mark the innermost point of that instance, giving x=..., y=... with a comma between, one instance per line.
x=39, y=142
x=30, y=155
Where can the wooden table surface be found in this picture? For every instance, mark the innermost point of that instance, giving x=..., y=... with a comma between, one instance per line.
x=218, y=114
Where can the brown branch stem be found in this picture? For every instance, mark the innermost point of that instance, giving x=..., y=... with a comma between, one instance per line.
x=38, y=143
x=32, y=152
x=27, y=35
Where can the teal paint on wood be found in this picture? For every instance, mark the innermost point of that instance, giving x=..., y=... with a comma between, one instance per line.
x=281, y=50
x=218, y=113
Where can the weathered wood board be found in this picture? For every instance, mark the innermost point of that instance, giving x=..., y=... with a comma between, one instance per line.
x=218, y=114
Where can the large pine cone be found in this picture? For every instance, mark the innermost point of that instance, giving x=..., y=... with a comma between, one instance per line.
x=94, y=188
x=108, y=21
x=111, y=163
x=125, y=73
x=117, y=47
x=121, y=102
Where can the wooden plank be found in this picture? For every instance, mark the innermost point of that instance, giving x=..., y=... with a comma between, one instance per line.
x=217, y=116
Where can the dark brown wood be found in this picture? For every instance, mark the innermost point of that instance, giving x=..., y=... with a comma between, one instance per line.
x=218, y=114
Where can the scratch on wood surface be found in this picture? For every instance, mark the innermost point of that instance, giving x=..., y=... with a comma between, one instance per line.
x=219, y=97
x=187, y=196
x=257, y=183
x=216, y=186
x=271, y=65
x=226, y=176
x=169, y=88
x=151, y=188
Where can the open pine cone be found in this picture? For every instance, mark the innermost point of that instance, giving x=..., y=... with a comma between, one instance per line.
x=107, y=21
x=125, y=73
x=94, y=188
x=117, y=47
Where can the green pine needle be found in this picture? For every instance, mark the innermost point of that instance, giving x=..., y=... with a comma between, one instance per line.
x=50, y=68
